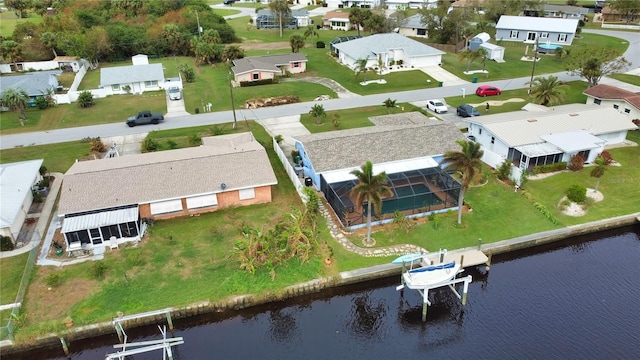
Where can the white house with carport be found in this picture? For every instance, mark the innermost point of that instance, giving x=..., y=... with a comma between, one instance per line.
x=407, y=146
x=548, y=135
x=387, y=47
x=16, y=183
x=134, y=79
x=624, y=101
x=550, y=31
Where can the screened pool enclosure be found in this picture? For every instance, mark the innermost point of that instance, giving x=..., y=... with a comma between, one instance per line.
x=414, y=192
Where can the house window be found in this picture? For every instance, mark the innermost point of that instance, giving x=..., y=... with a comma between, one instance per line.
x=544, y=35
x=115, y=87
x=247, y=194
x=480, y=131
x=514, y=34
x=562, y=37
x=255, y=76
x=596, y=101
x=627, y=111
x=615, y=106
x=151, y=83
x=296, y=64
x=493, y=140
x=421, y=32
x=531, y=36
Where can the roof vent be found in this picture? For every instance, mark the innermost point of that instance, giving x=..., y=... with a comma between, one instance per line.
x=532, y=120
x=574, y=114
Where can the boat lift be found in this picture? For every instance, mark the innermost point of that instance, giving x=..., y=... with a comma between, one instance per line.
x=146, y=346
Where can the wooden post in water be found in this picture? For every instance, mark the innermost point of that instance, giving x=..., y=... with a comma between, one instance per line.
x=465, y=288
x=169, y=320
x=462, y=261
x=425, y=305
x=64, y=346
x=119, y=330
x=489, y=261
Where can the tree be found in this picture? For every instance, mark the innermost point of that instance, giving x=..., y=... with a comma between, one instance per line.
x=361, y=67
x=187, y=71
x=628, y=9
x=467, y=163
x=318, y=113
x=282, y=11
x=469, y=56
x=49, y=40
x=16, y=100
x=232, y=52
x=85, y=99
x=445, y=27
x=592, y=63
x=371, y=188
x=376, y=23
x=598, y=171
x=20, y=7
x=311, y=31
x=358, y=16
x=389, y=104
x=208, y=47
x=297, y=42
x=10, y=51
x=547, y=90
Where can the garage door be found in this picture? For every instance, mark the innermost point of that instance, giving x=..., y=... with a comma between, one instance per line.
x=164, y=207
x=202, y=201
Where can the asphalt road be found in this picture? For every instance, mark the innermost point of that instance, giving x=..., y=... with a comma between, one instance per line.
x=108, y=130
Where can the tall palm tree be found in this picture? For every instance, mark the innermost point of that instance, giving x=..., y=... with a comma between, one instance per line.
x=598, y=171
x=371, y=188
x=317, y=112
x=547, y=90
x=311, y=31
x=357, y=17
x=16, y=100
x=467, y=163
x=297, y=42
x=281, y=9
x=469, y=56
x=361, y=67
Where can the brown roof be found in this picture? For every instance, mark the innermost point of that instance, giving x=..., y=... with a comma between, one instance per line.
x=336, y=14
x=603, y=91
x=237, y=160
x=65, y=59
x=634, y=101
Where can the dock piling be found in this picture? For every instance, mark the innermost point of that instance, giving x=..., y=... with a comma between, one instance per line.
x=425, y=302
x=462, y=261
x=465, y=288
x=489, y=261
x=65, y=347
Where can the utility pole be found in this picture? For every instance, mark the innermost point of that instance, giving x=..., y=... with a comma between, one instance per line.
x=535, y=60
x=198, y=20
x=233, y=107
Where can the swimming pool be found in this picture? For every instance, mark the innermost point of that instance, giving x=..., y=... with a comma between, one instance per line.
x=548, y=48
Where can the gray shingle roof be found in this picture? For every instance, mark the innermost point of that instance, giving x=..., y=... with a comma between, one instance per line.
x=131, y=74
x=372, y=45
x=237, y=160
x=414, y=22
x=33, y=83
x=265, y=63
x=342, y=149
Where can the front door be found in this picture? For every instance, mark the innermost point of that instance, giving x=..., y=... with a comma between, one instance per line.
x=531, y=36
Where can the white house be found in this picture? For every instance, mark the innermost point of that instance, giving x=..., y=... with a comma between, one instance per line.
x=134, y=79
x=624, y=101
x=387, y=47
x=336, y=20
x=16, y=182
x=413, y=26
x=553, y=31
x=550, y=135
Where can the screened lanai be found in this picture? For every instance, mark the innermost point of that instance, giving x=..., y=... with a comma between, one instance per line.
x=414, y=192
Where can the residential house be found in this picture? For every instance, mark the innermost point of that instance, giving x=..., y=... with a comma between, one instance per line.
x=410, y=4
x=134, y=79
x=529, y=29
x=17, y=181
x=109, y=198
x=388, y=48
x=336, y=20
x=35, y=84
x=612, y=15
x=339, y=4
x=407, y=146
x=549, y=135
x=565, y=11
x=255, y=68
x=624, y=101
x=413, y=26
x=266, y=20
x=477, y=5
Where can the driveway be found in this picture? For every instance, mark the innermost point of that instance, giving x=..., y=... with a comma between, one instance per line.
x=175, y=108
x=287, y=126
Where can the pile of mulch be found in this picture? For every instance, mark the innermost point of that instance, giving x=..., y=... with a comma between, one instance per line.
x=270, y=101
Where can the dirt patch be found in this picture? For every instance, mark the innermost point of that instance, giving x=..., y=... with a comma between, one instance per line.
x=497, y=102
x=575, y=209
x=273, y=101
x=259, y=45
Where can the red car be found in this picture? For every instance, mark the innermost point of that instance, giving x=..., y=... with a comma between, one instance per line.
x=488, y=90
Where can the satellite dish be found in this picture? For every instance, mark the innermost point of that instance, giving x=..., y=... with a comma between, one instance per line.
x=223, y=186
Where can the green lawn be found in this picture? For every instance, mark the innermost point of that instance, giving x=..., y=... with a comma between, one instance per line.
x=8, y=21
x=353, y=118
x=631, y=79
x=11, y=270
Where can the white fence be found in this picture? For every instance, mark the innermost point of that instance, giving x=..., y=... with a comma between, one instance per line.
x=494, y=160
x=73, y=93
x=289, y=169
x=615, y=26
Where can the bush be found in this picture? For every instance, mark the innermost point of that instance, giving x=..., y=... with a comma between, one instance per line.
x=543, y=169
x=97, y=146
x=294, y=155
x=504, y=170
x=187, y=71
x=98, y=269
x=6, y=244
x=258, y=82
x=320, y=45
x=172, y=144
x=577, y=193
x=279, y=138
x=149, y=145
x=85, y=99
x=194, y=139
x=41, y=103
x=606, y=156
x=42, y=170
x=576, y=163
x=53, y=280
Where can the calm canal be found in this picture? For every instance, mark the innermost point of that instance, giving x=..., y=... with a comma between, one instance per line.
x=578, y=299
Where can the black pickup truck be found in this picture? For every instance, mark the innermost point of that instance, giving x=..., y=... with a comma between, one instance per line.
x=145, y=117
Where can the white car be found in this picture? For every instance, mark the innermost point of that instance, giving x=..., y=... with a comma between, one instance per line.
x=174, y=93
x=437, y=106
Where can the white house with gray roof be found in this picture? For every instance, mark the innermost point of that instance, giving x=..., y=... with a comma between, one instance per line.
x=553, y=31
x=413, y=26
x=134, y=79
x=107, y=198
x=387, y=47
x=255, y=68
x=16, y=182
x=550, y=135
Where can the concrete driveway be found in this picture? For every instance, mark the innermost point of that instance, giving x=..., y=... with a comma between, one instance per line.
x=175, y=108
x=287, y=126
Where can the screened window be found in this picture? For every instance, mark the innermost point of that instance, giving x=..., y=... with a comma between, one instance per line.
x=247, y=194
x=422, y=32
x=115, y=87
x=151, y=83
x=514, y=34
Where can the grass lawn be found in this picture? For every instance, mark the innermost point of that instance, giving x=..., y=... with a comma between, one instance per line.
x=631, y=79
x=11, y=270
x=8, y=21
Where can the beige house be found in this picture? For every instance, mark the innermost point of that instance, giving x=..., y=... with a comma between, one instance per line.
x=336, y=20
x=110, y=199
x=255, y=68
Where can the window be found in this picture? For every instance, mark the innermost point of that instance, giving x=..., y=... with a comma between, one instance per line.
x=164, y=207
x=493, y=140
x=296, y=64
x=202, y=201
x=255, y=76
x=247, y=194
x=544, y=35
x=562, y=37
x=480, y=131
x=531, y=36
x=596, y=101
x=615, y=106
x=421, y=32
x=627, y=111
x=115, y=87
x=151, y=83
x=514, y=34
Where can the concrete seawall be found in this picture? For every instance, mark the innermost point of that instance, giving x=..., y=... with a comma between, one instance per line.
x=313, y=286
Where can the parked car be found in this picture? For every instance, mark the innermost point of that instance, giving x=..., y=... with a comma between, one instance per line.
x=466, y=110
x=436, y=105
x=487, y=90
x=228, y=2
x=145, y=117
x=174, y=93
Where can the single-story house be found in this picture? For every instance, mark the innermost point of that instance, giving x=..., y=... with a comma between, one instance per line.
x=387, y=47
x=35, y=84
x=254, y=68
x=413, y=26
x=134, y=79
x=336, y=20
x=266, y=20
x=410, y=4
x=113, y=197
x=612, y=15
x=624, y=101
x=477, y=5
x=407, y=146
x=558, y=11
x=16, y=183
x=529, y=29
x=339, y=4
x=550, y=135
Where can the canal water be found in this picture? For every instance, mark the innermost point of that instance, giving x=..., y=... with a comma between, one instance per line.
x=578, y=299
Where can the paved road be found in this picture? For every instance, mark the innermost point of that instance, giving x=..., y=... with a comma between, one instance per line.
x=107, y=130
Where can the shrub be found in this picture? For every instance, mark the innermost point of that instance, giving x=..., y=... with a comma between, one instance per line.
x=294, y=155
x=279, y=138
x=577, y=193
x=194, y=139
x=187, y=71
x=576, y=163
x=543, y=169
x=85, y=99
x=6, y=244
x=43, y=170
x=216, y=130
x=320, y=45
x=97, y=146
x=37, y=197
x=504, y=170
x=53, y=280
x=149, y=145
x=44, y=183
x=98, y=269
x=172, y=144
x=606, y=156
x=41, y=103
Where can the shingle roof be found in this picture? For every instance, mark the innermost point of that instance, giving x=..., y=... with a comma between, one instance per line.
x=526, y=127
x=608, y=92
x=131, y=74
x=537, y=24
x=237, y=160
x=265, y=63
x=16, y=180
x=414, y=22
x=336, y=15
x=33, y=83
x=349, y=148
x=370, y=46
x=567, y=9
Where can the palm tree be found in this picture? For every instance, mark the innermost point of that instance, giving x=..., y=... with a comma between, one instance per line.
x=389, y=104
x=281, y=9
x=598, y=171
x=311, y=31
x=297, y=42
x=371, y=188
x=467, y=163
x=317, y=112
x=469, y=56
x=361, y=67
x=16, y=100
x=547, y=90
x=357, y=17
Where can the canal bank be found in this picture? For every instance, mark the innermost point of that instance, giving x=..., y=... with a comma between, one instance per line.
x=314, y=286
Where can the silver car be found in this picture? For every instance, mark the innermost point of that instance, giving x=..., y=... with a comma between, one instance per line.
x=175, y=93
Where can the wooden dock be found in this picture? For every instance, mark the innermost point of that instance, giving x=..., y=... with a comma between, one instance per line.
x=464, y=258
